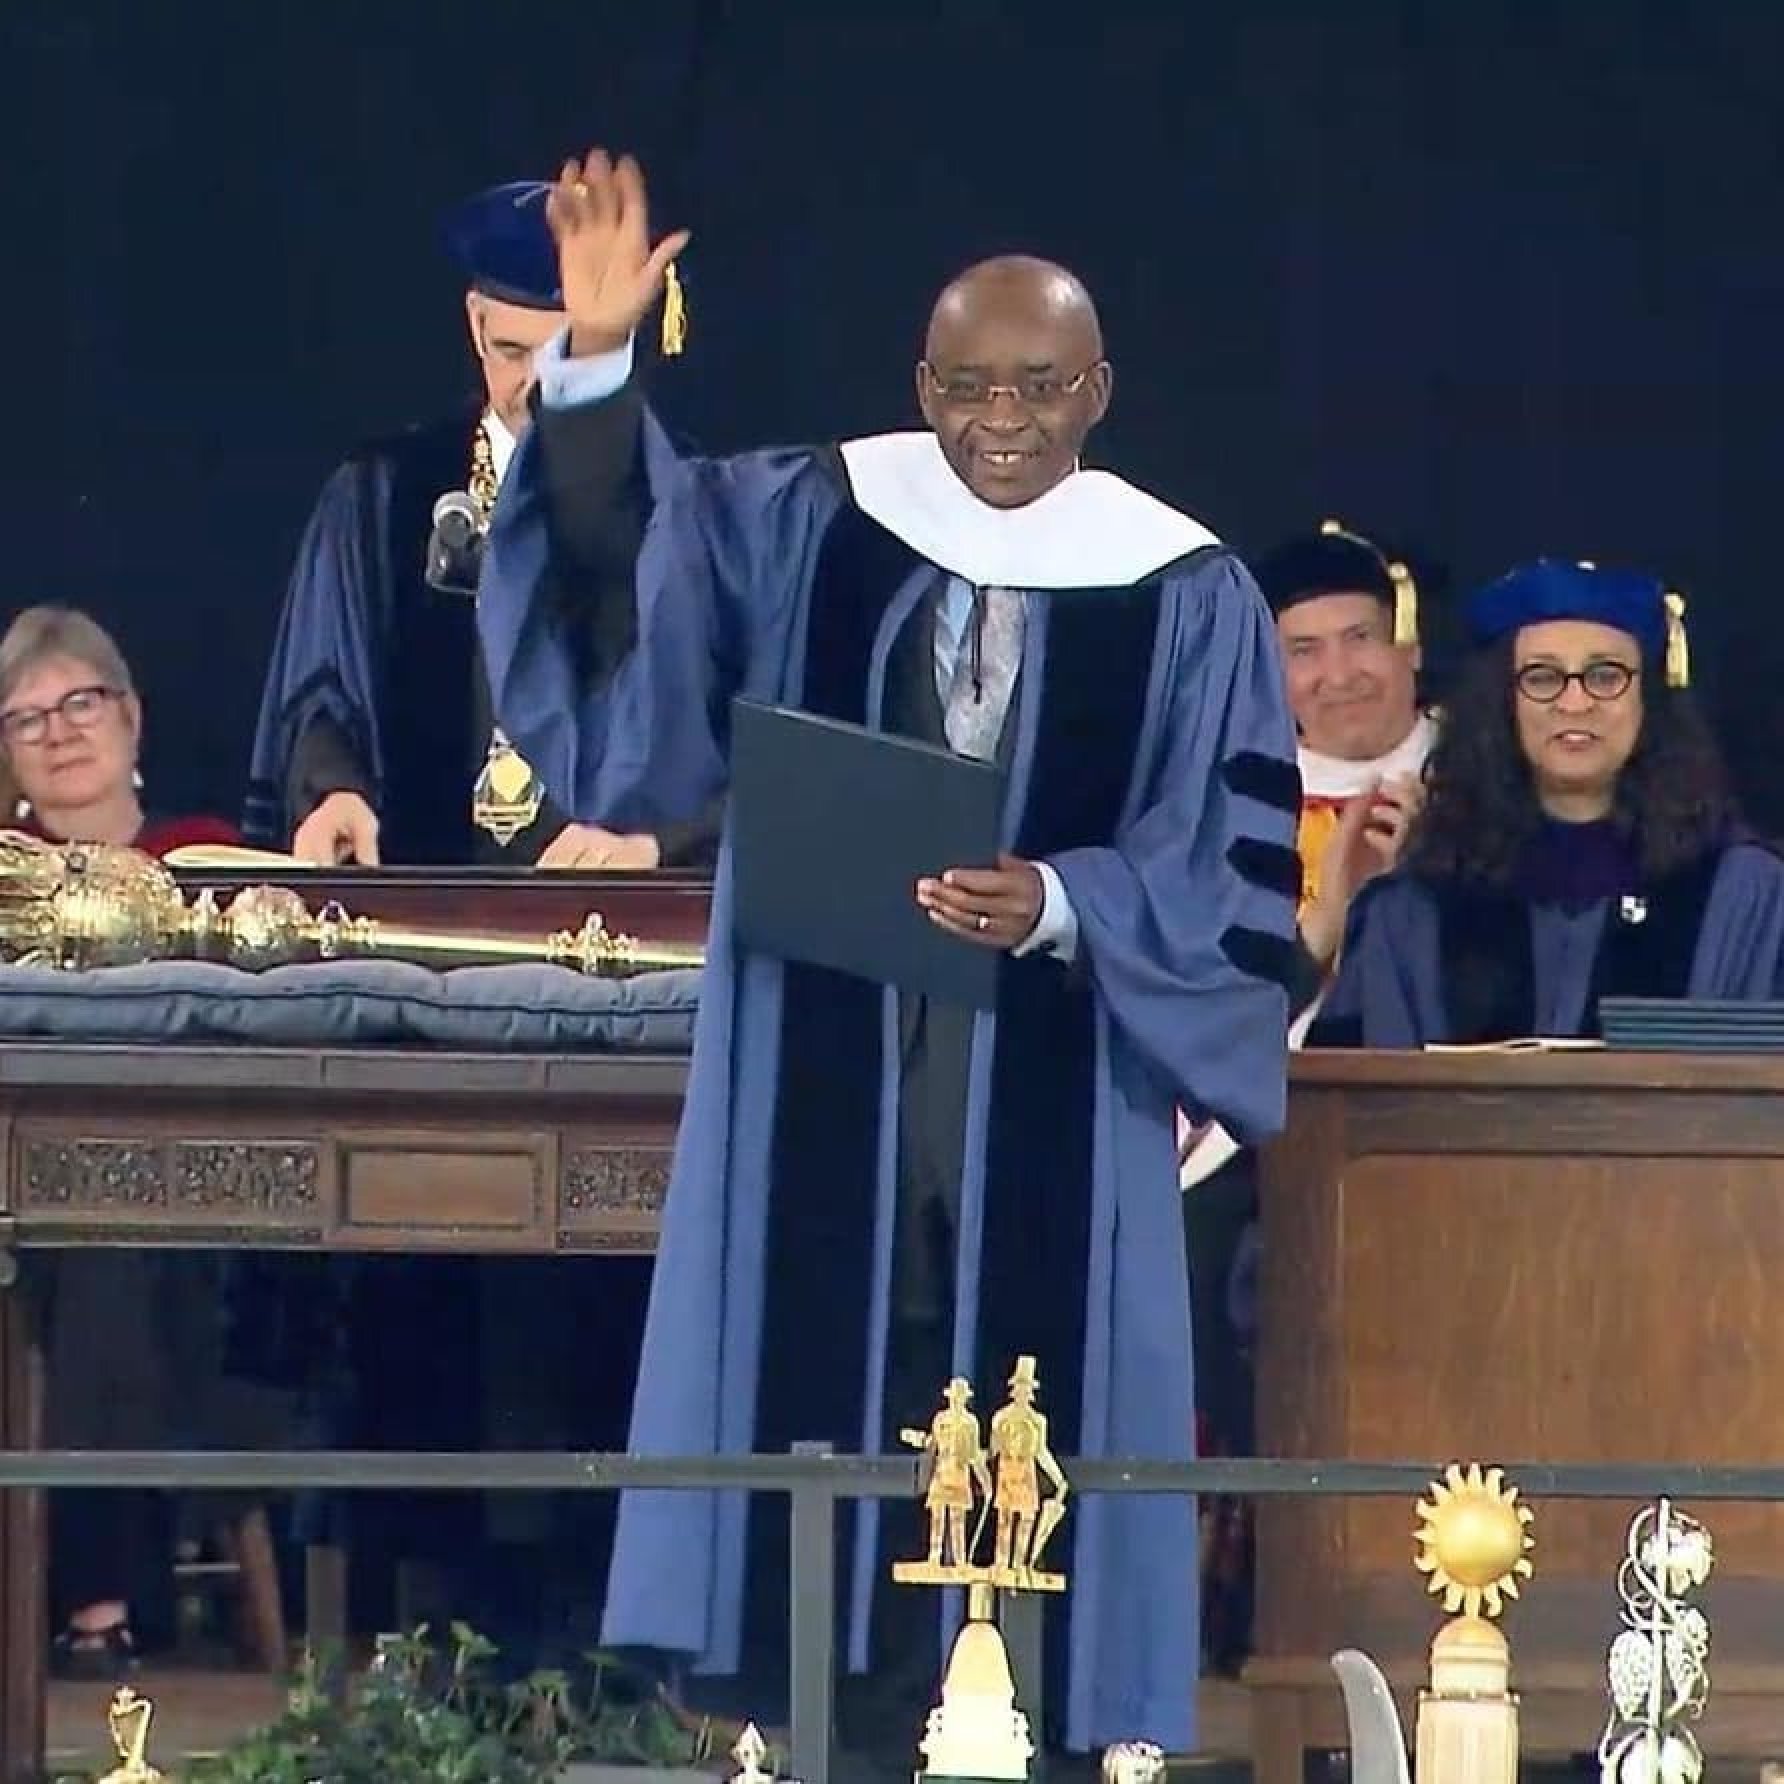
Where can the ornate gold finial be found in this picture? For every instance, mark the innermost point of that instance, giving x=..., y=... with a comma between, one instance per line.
x=1473, y=1540
x=128, y=1719
x=1678, y=647
x=675, y=313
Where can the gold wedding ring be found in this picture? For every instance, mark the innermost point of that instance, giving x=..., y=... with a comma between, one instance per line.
x=580, y=188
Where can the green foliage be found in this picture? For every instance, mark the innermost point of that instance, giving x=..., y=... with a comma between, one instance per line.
x=428, y=1716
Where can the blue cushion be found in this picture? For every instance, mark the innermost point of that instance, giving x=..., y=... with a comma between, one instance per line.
x=518, y=1008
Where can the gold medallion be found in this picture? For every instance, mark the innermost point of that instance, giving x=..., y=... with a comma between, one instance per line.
x=507, y=795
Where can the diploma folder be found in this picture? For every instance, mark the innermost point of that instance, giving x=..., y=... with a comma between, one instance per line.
x=832, y=825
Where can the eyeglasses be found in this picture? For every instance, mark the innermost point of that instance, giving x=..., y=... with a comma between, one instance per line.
x=79, y=709
x=1545, y=683
x=1036, y=390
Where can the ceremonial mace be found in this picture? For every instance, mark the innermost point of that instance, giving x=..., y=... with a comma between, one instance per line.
x=80, y=905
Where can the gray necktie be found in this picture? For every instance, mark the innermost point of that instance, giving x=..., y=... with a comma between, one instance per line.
x=984, y=673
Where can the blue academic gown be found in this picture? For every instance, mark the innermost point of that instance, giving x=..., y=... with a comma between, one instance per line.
x=1427, y=963
x=1152, y=742
x=367, y=652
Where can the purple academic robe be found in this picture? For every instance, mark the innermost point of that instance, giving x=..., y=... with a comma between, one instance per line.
x=1425, y=963
x=1152, y=764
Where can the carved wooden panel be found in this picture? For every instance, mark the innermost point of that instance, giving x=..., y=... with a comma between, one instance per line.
x=611, y=1197
x=117, y=1177
x=225, y=1177
x=92, y=1176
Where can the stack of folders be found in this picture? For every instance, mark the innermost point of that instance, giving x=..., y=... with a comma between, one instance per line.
x=1690, y=1025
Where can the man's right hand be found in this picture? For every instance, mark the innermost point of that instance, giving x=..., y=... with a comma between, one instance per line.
x=589, y=846
x=610, y=273
x=343, y=828
x=1371, y=834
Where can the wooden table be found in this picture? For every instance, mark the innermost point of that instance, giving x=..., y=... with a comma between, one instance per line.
x=340, y=1149
x=1493, y=1257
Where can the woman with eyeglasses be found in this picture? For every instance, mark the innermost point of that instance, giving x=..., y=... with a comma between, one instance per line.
x=1578, y=841
x=70, y=729
x=129, y=1345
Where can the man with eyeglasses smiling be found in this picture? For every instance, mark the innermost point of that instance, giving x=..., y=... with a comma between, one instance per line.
x=871, y=1186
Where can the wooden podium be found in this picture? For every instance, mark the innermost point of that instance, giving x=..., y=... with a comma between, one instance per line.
x=1493, y=1257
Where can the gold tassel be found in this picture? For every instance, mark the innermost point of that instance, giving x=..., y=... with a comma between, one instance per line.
x=1406, y=591
x=1406, y=604
x=1678, y=649
x=675, y=313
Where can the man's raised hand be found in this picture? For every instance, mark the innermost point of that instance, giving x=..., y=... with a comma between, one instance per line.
x=610, y=273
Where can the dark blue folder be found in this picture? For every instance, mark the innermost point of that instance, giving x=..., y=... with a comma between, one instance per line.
x=832, y=825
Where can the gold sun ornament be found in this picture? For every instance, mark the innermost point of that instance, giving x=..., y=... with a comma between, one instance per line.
x=1473, y=1540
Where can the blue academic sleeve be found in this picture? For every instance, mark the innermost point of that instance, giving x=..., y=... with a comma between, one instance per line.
x=1740, y=948
x=328, y=644
x=1186, y=925
x=1388, y=990
x=724, y=562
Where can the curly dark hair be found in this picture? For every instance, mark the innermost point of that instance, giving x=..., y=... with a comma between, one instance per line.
x=1481, y=809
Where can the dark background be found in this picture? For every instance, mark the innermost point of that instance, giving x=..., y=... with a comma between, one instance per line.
x=1489, y=280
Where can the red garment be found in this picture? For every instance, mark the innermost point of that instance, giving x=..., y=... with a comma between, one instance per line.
x=157, y=836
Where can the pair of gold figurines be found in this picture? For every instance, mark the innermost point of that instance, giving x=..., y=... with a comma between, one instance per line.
x=1000, y=1472
x=969, y=1475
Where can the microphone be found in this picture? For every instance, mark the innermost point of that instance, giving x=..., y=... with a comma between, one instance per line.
x=457, y=520
x=455, y=548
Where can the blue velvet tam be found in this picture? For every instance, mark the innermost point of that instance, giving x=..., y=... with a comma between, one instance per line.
x=503, y=242
x=1552, y=588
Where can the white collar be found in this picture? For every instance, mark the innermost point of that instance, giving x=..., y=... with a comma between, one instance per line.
x=1091, y=530
x=502, y=444
x=1332, y=777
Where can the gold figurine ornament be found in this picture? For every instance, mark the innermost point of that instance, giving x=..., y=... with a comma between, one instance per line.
x=1024, y=1522
x=953, y=1461
x=1007, y=1472
x=128, y=1719
x=976, y=1731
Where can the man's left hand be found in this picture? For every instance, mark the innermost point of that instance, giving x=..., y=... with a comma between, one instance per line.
x=997, y=907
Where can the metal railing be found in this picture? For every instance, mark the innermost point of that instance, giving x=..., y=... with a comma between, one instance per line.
x=814, y=1480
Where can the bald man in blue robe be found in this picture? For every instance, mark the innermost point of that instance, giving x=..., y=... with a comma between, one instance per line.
x=871, y=1190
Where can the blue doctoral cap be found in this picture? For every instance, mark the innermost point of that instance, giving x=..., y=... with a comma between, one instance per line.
x=1552, y=588
x=503, y=242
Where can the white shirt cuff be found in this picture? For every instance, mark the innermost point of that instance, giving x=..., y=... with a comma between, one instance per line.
x=566, y=383
x=1056, y=929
